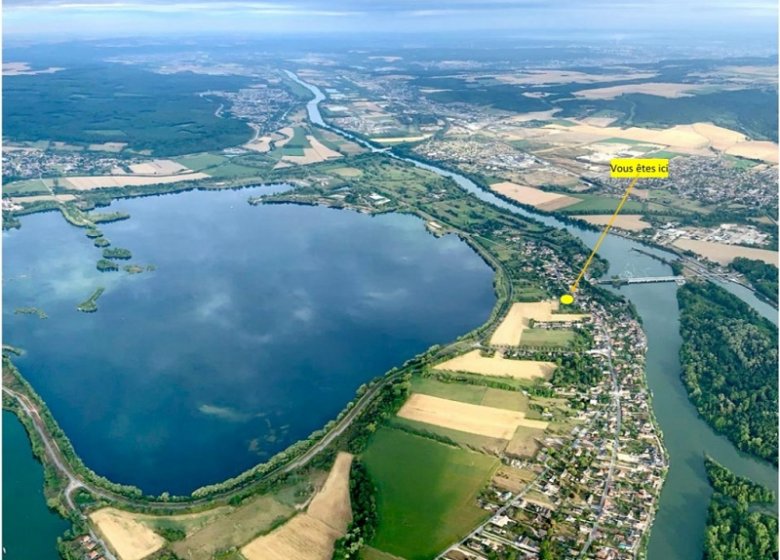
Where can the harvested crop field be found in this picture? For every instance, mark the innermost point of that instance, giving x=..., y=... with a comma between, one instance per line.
x=286, y=134
x=630, y=222
x=764, y=151
x=128, y=538
x=316, y=153
x=158, y=167
x=260, y=144
x=534, y=197
x=113, y=147
x=660, y=89
x=475, y=419
x=331, y=504
x=475, y=362
x=697, y=138
x=722, y=253
x=524, y=442
x=302, y=538
x=539, y=77
x=311, y=535
x=111, y=181
x=466, y=440
x=510, y=331
x=720, y=138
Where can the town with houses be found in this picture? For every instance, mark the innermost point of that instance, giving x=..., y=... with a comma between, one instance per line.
x=596, y=488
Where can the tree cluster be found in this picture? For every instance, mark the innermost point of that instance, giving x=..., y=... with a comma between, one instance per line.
x=364, y=514
x=762, y=276
x=730, y=361
x=734, y=531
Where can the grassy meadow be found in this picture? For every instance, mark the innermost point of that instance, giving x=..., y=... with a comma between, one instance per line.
x=426, y=492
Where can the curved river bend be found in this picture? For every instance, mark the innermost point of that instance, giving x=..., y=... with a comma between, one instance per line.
x=678, y=530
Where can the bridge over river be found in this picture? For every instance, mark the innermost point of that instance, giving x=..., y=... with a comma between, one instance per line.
x=621, y=281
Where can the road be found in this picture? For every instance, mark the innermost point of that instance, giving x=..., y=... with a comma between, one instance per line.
x=615, y=444
x=52, y=451
x=515, y=502
x=75, y=481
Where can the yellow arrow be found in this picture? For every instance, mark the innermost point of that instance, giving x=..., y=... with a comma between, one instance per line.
x=601, y=238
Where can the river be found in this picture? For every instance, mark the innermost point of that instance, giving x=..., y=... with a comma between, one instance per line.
x=678, y=530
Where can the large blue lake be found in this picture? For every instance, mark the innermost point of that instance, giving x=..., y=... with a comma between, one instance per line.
x=257, y=326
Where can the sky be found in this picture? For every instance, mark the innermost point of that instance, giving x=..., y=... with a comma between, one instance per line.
x=600, y=18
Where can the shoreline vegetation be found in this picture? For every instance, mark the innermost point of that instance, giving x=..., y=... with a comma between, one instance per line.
x=729, y=358
x=737, y=528
x=40, y=313
x=382, y=396
x=503, y=281
x=89, y=305
x=407, y=190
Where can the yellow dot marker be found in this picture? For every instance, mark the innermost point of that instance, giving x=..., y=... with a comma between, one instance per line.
x=567, y=299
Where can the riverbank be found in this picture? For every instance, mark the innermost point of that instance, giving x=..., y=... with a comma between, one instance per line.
x=511, y=275
x=678, y=531
x=510, y=282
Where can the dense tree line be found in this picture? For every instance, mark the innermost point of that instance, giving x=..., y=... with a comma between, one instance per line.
x=729, y=359
x=580, y=370
x=734, y=532
x=117, y=253
x=762, y=276
x=361, y=530
x=739, y=488
x=389, y=400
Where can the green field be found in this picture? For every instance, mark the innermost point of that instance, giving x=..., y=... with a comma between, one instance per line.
x=663, y=199
x=472, y=394
x=29, y=186
x=663, y=154
x=547, y=337
x=426, y=492
x=476, y=442
x=296, y=144
x=199, y=162
x=593, y=204
x=234, y=170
